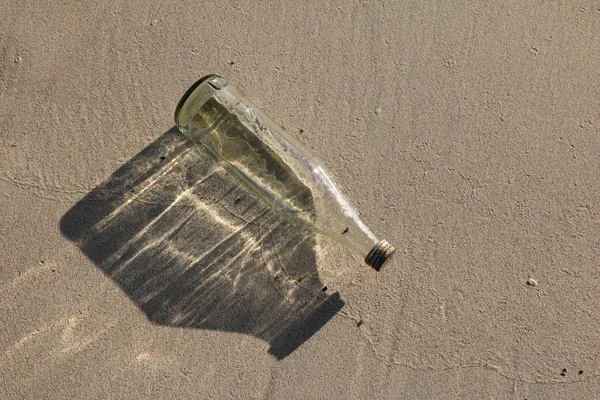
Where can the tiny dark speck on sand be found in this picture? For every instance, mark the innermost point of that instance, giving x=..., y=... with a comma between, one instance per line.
x=563, y=372
x=345, y=231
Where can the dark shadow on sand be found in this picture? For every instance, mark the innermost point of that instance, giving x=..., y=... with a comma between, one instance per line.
x=192, y=248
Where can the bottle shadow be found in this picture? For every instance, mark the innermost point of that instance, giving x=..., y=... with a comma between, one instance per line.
x=193, y=248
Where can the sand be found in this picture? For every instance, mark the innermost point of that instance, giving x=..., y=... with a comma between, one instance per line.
x=466, y=134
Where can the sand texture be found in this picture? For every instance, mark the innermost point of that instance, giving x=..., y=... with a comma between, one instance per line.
x=466, y=133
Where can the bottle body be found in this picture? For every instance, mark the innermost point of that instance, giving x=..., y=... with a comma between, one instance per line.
x=272, y=164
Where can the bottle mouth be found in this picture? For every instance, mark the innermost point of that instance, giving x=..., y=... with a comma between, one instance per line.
x=379, y=255
x=189, y=92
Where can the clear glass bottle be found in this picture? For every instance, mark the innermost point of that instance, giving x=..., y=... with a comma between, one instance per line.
x=273, y=165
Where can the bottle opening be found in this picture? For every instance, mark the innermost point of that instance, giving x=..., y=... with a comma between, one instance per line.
x=379, y=254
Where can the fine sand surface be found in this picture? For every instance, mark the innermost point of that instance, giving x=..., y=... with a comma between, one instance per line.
x=467, y=135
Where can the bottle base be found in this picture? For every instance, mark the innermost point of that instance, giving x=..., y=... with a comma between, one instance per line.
x=188, y=94
x=379, y=254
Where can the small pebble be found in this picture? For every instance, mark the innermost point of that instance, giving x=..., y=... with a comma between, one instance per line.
x=532, y=282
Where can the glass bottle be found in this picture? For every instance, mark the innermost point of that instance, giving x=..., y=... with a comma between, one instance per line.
x=273, y=165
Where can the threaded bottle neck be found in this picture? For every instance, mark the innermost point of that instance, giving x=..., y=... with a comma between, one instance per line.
x=379, y=254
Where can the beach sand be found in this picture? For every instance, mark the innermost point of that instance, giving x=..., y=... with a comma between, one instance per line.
x=467, y=135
